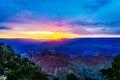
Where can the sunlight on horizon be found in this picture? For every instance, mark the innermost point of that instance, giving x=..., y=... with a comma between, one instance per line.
x=50, y=35
x=47, y=35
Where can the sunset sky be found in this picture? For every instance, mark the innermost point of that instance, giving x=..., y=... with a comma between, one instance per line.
x=55, y=19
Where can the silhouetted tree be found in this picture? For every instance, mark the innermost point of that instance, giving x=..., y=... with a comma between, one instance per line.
x=71, y=77
x=113, y=72
x=89, y=78
x=55, y=78
x=20, y=68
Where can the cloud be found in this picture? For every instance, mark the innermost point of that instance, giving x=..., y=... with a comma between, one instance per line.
x=77, y=16
x=2, y=27
x=105, y=19
x=94, y=27
x=95, y=4
x=108, y=13
x=51, y=9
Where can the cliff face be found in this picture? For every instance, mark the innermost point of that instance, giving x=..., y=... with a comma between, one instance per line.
x=58, y=64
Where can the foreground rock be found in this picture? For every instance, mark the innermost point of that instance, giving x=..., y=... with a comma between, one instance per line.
x=60, y=65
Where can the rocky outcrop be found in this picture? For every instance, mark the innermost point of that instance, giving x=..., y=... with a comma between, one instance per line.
x=58, y=64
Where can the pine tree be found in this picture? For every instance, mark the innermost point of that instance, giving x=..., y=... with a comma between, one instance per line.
x=55, y=78
x=20, y=68
x=113, y=72
x=71, y=77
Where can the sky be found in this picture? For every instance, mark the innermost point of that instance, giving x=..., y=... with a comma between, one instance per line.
x=55, y=19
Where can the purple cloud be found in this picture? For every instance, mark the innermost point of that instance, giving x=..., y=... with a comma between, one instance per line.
x=2, y=27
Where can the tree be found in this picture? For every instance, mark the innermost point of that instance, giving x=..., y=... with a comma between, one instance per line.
x=20, y=68
x=113, y=72
x=71, y=77
x=55, y=78
x=89, y=78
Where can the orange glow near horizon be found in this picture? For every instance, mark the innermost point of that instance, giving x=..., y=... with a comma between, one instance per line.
x=47, y=35
x=46, y=31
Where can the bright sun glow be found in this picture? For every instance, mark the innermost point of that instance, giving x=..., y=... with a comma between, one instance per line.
x=48, y=35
